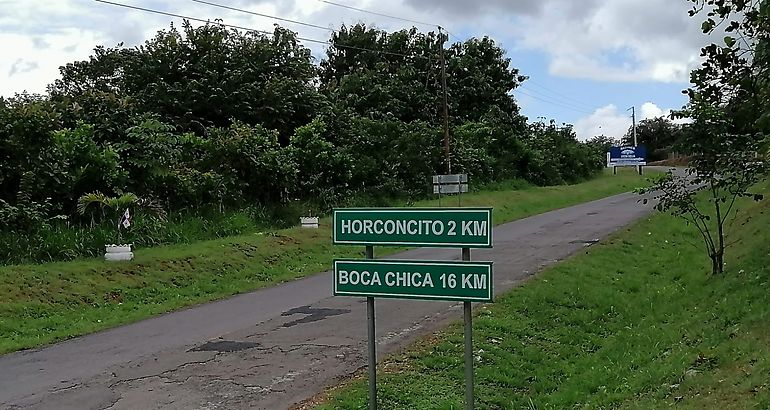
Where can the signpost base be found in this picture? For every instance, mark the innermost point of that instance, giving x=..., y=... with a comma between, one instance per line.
x=372, y=343
x=372, y=354
x=468, y=355
x=468, y=315
x=467, y=281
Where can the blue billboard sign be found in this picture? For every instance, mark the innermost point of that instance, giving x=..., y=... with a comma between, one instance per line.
x=628, y=156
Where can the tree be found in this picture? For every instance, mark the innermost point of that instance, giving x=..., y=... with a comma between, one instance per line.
x=200, y=77
x=727, y=110
x=112, y=207
x=658, y=135
x=383, y=75
x=603, y=143
x=722, y=170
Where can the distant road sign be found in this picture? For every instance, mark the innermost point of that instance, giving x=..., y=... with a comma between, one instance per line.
x=432, y=227
x=412, y=279
x=450, y=184
x=450, y=189
x=628, y=156
x=450, y=179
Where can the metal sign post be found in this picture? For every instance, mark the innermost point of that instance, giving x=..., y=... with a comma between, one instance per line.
x=468, y=316
x=463, y=280
x=627, y=157
x=372, y=342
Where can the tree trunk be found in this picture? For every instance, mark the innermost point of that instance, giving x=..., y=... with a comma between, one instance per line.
x=717, y=262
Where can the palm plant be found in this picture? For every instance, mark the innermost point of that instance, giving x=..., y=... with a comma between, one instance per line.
x=110, y=207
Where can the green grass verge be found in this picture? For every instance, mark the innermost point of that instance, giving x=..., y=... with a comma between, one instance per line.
x=44, y=303
x=635, y=322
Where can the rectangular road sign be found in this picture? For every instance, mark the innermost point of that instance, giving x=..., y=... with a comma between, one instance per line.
x=450, y=184
x=429, y=227
x=413, y=279
x=450, y=179
x=450, y=188
x=628, y=156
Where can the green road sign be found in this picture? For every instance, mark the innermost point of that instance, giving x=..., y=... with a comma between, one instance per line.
x=412, y=279
x=437, y=227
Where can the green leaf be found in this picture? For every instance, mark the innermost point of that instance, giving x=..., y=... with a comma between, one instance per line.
x=729, y=41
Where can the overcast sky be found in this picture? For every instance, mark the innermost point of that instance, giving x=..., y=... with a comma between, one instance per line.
x=588, y=60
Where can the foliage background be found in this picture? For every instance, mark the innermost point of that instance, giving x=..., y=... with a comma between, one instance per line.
x=235, y=131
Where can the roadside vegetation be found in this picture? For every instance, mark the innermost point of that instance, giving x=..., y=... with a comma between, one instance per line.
x=635, y=322
x=44, y=303
x=231, y=132
x=644, y=320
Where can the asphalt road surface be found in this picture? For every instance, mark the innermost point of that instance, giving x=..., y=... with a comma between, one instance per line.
x=276, y=347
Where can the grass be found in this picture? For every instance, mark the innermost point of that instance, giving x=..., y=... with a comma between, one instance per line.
x=45, y=303
x=635, y=322
x=59, y=240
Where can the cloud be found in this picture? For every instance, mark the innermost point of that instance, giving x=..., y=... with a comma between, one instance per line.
x=21, y=66
x=26, y=67
x=615, y=40
x=604, y=121
x=463, y=8
x=602, y=40
x=38, y=42
x=610, y=121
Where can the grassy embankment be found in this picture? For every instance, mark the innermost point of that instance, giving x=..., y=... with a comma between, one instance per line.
x=44, y=303
x=635, y=322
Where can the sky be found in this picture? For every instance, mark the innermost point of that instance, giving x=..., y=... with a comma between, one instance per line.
x=588, y=61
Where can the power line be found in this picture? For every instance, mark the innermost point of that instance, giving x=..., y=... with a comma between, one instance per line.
x=553, y=102
x=377, y=13
x=557, y=93
x=311, y=40
x=128, y=6
x=557, y=99
x=222, y=6
x=392, y=17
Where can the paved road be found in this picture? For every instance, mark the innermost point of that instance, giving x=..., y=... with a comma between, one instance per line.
x=273, y=348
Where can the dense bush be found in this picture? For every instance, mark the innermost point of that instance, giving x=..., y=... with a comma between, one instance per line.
x=232, y=132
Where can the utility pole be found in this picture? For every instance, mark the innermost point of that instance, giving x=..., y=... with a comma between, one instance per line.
x=633, y=127
x=446, y=104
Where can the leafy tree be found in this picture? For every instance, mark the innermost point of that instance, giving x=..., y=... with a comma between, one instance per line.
x=201, y=77
x=383, y=75
x=603, y=143
x=555, y=156
x=323, y=170
x=112, y=208
x=391, y=158
x=198, y=118
x=27, y=147
x=727, y=109
x=480, y=80
x=251, y=162
x=41, y=161
x=722, y=171
x=489, y=150
x=658, y=135
x=401, y=77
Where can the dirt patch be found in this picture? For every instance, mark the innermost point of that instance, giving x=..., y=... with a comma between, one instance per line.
x=673, y=162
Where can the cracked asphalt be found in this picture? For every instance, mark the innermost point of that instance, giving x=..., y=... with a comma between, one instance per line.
x=274, y=348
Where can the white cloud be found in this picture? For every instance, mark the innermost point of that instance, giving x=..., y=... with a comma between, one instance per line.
x=606, y=120
x=610, y=121
x=603, y=40
x=30, y=63
x=616, y=40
